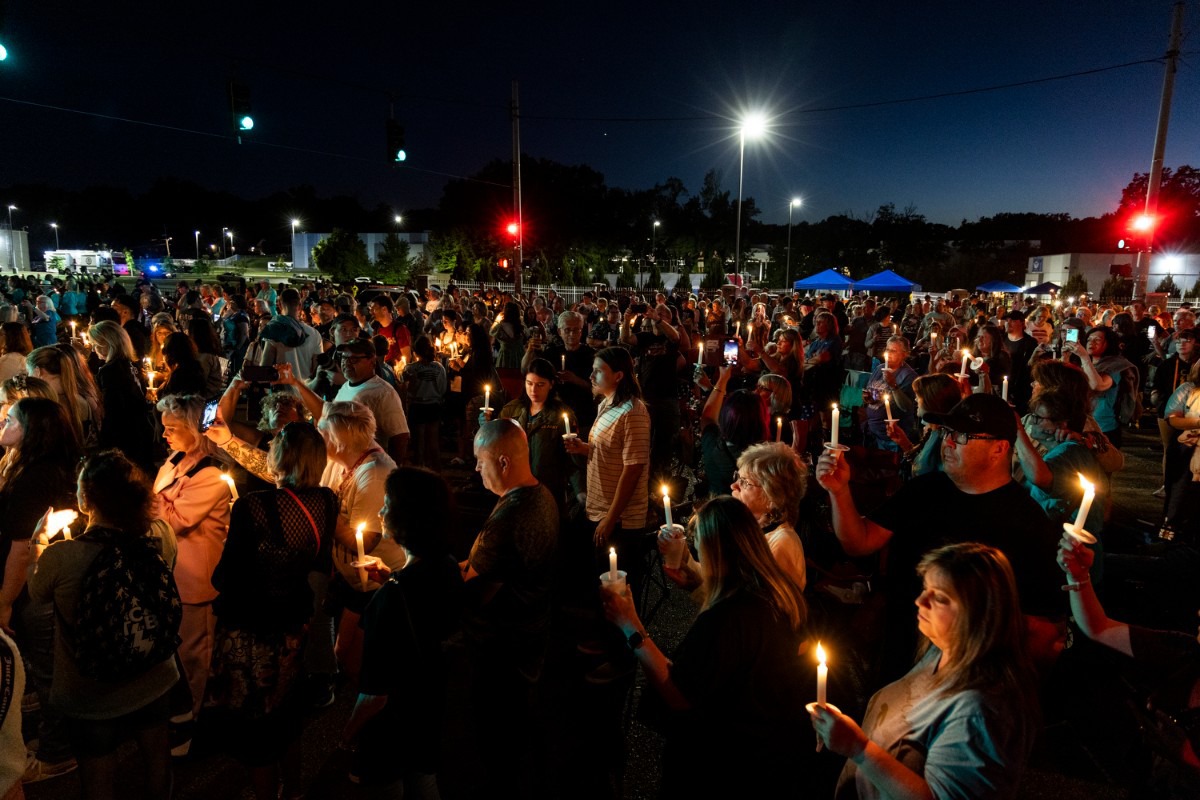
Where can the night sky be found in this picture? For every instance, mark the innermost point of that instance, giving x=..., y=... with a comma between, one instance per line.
x=320, y=75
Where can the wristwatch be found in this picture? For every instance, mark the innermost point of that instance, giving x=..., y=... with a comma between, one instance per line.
x=635, y=640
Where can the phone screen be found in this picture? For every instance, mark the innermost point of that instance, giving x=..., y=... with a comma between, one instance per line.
x=1150, y=333
x=731, y=352
x=209, y=416
x=1072, y=334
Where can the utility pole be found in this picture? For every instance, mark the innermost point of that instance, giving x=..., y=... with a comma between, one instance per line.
x=516, y=135
x=1142, y=273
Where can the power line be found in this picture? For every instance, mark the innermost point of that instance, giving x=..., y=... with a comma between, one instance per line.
x=872, y=104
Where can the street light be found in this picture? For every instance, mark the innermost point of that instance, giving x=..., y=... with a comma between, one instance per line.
x=224, y=233
x=787, y=280
x=232, y=249
x=197, y=245
x=167, y=242
x=653, y=239
x=399, y=219
x=295, y=222
x=753, y=126
x=12, y=249
x=55, y=226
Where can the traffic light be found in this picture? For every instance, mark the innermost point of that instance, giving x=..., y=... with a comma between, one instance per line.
x=1143, y=223
x=513, y=229
x=239, y=108
x=395, y=141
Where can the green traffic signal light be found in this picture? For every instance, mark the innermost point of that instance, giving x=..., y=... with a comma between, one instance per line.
x=3, y=52
x=401, y=155
x=246, y=123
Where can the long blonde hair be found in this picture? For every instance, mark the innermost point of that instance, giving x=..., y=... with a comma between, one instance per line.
x=77, y=390
x=734, y=555
x=114, y=339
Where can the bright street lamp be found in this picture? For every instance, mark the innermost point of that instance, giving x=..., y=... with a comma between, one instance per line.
x=224, y=233
x=787, y=280
x=399, y=219
x=753, y=126
x=12, y=250
x=167, y=242
x=232, y=249
x=197, y=245
x=55, y=226
x=295, y=222
x=653, y=239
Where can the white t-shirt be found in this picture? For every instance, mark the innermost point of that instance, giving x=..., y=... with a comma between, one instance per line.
x=378, y=395
x=360, y=497
x=785, y=545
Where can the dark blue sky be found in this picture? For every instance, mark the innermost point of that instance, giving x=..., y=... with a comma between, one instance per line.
x=320, y=74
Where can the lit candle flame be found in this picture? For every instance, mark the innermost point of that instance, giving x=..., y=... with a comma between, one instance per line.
x=820, y=654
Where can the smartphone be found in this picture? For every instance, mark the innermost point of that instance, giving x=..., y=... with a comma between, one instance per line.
x=1150, y=333
x=209, y=416
x=1072, y=334
x=731, y=352
x=260, y=374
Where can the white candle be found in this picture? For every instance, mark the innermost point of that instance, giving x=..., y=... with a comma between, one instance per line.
x=567, y=423
x=837, y=421
x=1004, y=389
x=779, y=429
x=66, y=532
x=666, y=508
x=73, y=329
x=564, y=362
x=1089, y=495
x=151, y=379
x=612, y=564
x=887, y=405
x=232, y=489
x=487, y=395
x=358, y=542
x=822, y=675
x=700, y=353
x=966, y=361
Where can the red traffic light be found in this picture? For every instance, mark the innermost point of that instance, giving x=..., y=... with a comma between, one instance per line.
x=513, y=228
x=1142, y=222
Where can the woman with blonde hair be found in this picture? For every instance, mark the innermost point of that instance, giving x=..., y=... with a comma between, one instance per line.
x=21, y=386
x=737, y=674
x=15, y=344
x=126, y=423
x=161, y=327
x=62, y=368
x=962, y=722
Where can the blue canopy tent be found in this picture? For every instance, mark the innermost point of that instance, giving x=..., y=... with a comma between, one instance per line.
x=829, y=280
x=1042, y=288
x=998, y=287
x=886, y=281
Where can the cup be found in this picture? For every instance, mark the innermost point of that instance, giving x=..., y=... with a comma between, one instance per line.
x=674, y=545
x=569, y=438
x=609, y=585
x=366, y=563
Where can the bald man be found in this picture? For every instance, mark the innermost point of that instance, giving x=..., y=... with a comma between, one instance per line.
x=509, y=577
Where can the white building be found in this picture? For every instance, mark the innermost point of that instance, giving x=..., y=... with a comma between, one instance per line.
x=306, y=241
x=14, y=250
x=1096, y=268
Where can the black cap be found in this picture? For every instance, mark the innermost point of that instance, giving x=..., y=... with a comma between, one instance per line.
x=357, y=347
x=1019, y=316
x=980, y=413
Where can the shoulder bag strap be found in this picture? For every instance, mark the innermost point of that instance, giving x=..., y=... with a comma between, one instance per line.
x=311, y=521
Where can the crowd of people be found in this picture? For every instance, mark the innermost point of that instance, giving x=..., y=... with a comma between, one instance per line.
x=222, y=505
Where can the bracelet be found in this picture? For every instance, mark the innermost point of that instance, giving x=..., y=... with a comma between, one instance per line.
x=1075, y=587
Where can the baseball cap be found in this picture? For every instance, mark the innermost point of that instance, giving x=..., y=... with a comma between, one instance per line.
x=1015, y=315
x=357, y=347
x=980, y=413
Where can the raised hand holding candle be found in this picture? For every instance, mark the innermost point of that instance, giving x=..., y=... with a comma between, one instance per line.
x=232, y=489
x=567, y=423
x=837, y=422
x=779, y=429
x=666, y=507
x=700, y=353
x=1089, y=496
x=73, y=323
x=887, y=405
x=66, y=532
x=1004, y=389
x=612, y=564
x=966, y=363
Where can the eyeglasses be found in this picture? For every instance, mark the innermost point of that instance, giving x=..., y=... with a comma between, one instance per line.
x=745, y=483
x=960, y=438
x=347, y=357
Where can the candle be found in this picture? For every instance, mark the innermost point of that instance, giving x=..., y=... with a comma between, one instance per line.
x=779, y=429
x=966, y=360
x=666, y=507
x=66, y=532
x=1004, y=389
x=837, y=421
x=737, y=329
x=567, y=423
x=73, y=329
x=403, y=363
x=887, y=405
x=700, y=353
x=358, y=542
x=612, y=564
x=564, y=362
x=822, y=675
x=1089, y=495
x=487, y=396
x=232, y=489
x=151, y=380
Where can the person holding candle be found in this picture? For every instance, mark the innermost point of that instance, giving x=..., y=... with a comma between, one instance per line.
x=893, y=378
x=276, y=538
x=126, y=422
x=191, y=497
x=1020, y=347
x=65, y=371
x=737, y=674
x=978, y=437
x=937, y=393
x=823, y=362
x=425, y=382
x=545, y=418
x=572, y=360
x=879, y=332
x=470, y=372
x=962, y=722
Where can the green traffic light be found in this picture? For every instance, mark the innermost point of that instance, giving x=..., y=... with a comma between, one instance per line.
x=246, y=123
x=3, y=52
x=401, y=155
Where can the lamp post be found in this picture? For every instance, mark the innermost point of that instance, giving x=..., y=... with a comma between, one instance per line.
x=752, y=127
x=224, y=233
x=787, y=279
x=167, y=242
x=55, y=226
x=197, y=245
x=653, y=239
x=399, y=219
x=12, y=249
x=232, y=248
x=295, y=222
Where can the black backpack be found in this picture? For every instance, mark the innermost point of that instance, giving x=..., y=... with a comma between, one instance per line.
x=129, y=608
